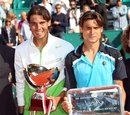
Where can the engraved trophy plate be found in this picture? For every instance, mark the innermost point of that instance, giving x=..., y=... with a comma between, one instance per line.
x=96, y=101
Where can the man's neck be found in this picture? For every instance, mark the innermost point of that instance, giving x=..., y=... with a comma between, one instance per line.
x=40, y=43
x=91, y=47
x=58, y=13
x=90, y=50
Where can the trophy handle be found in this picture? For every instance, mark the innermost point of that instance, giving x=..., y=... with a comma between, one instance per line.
x=27, y=78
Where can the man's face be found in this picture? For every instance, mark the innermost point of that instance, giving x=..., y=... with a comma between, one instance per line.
x=73, y=5
x=58, y=8
x=91, y=31
x=119, y=3
x=39, y=26
x=23, y=16
x=86, y=9
x=8, y=23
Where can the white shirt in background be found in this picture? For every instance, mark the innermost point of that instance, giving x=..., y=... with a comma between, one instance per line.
x=25, y=31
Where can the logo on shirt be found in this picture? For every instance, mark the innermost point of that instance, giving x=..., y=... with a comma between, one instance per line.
x=58, y=46
x=120, y=58
x=104, y=63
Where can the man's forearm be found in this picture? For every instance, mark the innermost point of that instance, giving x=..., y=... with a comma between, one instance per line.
x=120, y=83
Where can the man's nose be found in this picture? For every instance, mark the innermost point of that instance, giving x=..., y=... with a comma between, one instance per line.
x=92, y=30
x=38, y=26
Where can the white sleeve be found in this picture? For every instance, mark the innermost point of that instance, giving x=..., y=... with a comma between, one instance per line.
x=19, y=78
x=2, y=13
x=78, y=15
x=22, y=30
x=115, y=12
x=67, y=3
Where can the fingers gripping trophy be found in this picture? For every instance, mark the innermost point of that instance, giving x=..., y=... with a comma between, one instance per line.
x=41, y=79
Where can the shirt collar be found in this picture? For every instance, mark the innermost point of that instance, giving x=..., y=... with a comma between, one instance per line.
x=79, y=52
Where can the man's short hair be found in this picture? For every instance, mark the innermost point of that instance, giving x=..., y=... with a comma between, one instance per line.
x=39, y=10
x=91, y=15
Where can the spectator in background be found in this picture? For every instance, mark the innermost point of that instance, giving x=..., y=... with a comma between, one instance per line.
x=25, y=32
x=120, y=14
x=86, y=8
x=82, y=2
x=2, y=16
x=23, y=19
x=59, y=22
x=73, y=15
x=46, y=5
x=8, y=33
x=100, y=7
x=14, y=19
x=11, y=15
x=7, y=104
x=7, y=5
x=110, y=3
x=51, y=2
x=64, y=3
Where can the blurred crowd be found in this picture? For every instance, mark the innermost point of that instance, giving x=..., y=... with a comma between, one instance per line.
x=65, y=18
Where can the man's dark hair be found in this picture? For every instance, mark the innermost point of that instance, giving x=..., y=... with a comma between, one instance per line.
x=119, y=1
x=39, y=10
x=91, y=16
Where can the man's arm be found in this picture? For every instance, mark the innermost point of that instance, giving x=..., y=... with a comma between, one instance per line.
x=19, y=81
x=56, y=100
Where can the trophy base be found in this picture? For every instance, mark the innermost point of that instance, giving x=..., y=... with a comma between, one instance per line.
x=36, y=105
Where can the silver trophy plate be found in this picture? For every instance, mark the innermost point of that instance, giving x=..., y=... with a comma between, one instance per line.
x=96, y=101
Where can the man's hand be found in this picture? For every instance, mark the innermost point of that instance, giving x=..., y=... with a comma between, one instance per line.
x=9, y=44
x=55, y=101
x=56, y=22
x=126, y=113
x=66, y=105
x=21, y=110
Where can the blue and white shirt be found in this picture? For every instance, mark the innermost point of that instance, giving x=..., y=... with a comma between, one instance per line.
x=107, y=66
